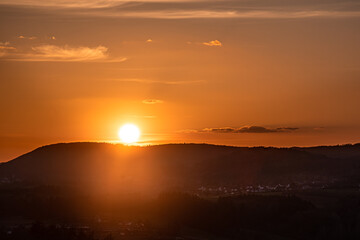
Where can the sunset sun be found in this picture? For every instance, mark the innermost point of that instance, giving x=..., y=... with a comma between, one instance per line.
x=179, y=119
x=129, y=133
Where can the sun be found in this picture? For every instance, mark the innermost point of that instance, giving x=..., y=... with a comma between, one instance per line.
x=129, y=133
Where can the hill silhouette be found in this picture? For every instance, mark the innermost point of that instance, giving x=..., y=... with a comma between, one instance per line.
x=106, y=166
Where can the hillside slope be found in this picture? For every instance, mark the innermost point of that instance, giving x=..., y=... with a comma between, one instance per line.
x=178, y=165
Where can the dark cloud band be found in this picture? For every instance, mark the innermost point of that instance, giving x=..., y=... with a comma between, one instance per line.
x=249, y=129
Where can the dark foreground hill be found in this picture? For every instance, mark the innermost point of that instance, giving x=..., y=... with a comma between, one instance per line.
x=107, y=166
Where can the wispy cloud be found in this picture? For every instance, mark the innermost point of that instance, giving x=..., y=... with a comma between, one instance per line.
x=30, y=38
x=5, y=46
x=63, y=3
x=5, y=49
x=4, y=43
x=196, y=14
x=56, y=53
x=52, y=53
x=245, y=129
x=152, y=101
x=186, y=9
x=80, y=3
x=215, y=43
x=151, y=81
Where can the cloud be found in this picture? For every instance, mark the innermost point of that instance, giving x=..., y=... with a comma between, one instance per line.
x=194, y=9
x=62, y=3
x=287, y=129
x=152, y=101
x=30, y=38
x=79, y=3
x=52, y=53
x=5, y=46
x=248, y=129
x=209, y=14
x=56, y=53
x=257, y=129
x=219, y=130
x=151, y=81
x=215, y=43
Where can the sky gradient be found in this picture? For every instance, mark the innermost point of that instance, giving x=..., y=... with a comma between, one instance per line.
x=245, y=73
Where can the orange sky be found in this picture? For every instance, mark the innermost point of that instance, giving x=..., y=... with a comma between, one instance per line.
x=247, y=73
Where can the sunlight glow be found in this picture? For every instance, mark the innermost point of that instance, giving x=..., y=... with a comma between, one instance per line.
x=129, y=133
